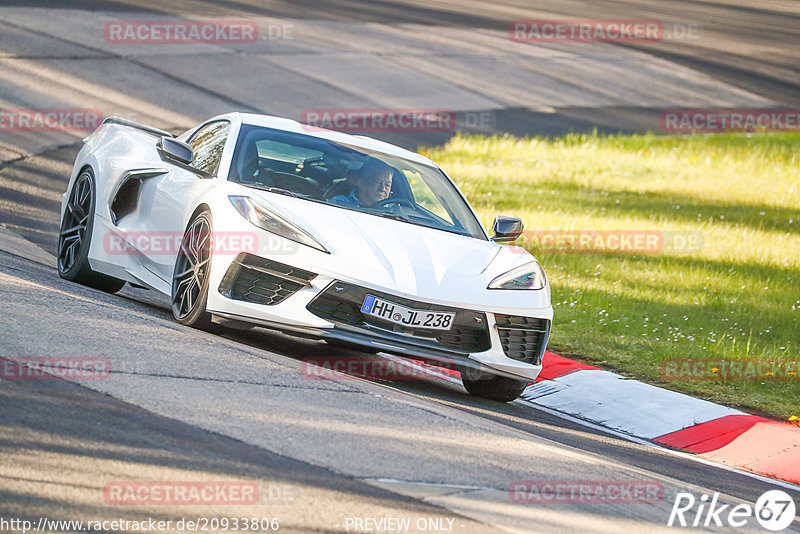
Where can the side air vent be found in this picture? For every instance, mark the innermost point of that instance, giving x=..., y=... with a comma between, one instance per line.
x=126, y=199
x=127, y=196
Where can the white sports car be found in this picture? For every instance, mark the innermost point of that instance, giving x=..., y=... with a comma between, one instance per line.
x=263, y=220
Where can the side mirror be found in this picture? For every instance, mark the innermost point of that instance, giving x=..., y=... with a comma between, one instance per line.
x=506, y=229
x=175, y=151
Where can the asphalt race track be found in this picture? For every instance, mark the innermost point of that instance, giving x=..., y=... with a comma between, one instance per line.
x=185, y=405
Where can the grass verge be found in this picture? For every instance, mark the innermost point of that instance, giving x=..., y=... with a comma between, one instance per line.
x=724, y=288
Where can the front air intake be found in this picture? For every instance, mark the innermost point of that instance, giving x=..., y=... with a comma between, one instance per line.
x=262, y=281
x=523, y=338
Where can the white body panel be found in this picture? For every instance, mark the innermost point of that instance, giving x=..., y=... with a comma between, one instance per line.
x=414, y=262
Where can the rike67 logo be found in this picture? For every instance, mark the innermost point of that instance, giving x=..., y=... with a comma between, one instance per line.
x=774, y=510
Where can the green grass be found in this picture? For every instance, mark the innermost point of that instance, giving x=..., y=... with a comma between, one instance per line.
x=735, y=298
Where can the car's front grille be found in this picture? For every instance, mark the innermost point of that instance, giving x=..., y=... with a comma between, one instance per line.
x=341, y=302
x=523, y=338
x=262, y=281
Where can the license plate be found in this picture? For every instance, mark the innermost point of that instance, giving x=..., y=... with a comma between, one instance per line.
x=398, y=314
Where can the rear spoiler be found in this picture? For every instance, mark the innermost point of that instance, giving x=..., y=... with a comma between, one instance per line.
x=131, y=124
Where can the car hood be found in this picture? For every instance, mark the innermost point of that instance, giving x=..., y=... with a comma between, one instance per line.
x=384, y=252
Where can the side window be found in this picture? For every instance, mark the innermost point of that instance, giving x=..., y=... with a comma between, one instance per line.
x=207, y=143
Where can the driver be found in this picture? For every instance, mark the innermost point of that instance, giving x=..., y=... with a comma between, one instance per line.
x=373, y=184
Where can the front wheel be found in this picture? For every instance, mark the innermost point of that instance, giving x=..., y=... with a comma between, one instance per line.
x=75, y=236
x=490, y=386
x=190, y=277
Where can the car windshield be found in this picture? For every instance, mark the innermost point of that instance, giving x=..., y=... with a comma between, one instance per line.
x=351, y=178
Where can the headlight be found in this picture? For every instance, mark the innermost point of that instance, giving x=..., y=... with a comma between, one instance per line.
x=528, y=276
x=268, y=220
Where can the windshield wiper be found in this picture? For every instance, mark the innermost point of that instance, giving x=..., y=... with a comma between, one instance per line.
x=392, y=216
x=271, y=189
x=396, y=217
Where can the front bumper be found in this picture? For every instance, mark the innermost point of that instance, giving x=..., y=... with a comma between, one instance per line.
x=283, y=297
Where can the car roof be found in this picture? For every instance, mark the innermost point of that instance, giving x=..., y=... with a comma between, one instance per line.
x=359, y=141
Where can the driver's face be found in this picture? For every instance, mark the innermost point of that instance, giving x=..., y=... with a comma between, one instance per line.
x=374, y=189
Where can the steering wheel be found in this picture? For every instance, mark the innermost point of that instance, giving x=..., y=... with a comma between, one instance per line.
x=389, y=201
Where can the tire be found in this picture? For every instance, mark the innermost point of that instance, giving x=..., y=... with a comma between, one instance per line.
x=492, y=387
x=75, y=237
x=190, y=278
